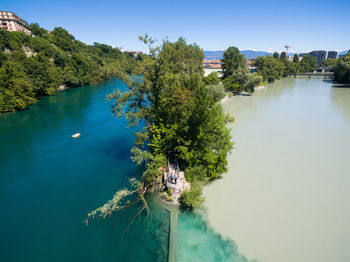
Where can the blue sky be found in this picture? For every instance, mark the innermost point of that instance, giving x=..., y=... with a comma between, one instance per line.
x=213, y=25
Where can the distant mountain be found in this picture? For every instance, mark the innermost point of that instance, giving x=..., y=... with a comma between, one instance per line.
x=254, y=54
x=216, y=55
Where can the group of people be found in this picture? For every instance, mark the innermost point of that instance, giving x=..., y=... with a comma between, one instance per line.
x=173, y=177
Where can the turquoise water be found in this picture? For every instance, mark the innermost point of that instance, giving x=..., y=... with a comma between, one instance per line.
x=50, y=181
x=199, y=243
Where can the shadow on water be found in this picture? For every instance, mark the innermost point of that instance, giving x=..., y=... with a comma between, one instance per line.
x=115, y=148
x=335, y=85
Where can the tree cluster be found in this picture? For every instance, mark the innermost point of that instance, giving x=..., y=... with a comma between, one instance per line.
x=236, y=73
x=180, y=116
x=275, y=67
x=342, y=69
x=32, y=66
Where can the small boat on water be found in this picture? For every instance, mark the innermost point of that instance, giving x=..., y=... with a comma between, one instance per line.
x=76, y=135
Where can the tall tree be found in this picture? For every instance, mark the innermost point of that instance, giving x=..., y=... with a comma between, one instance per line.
x=283, y=56
x=308, y=64
x=342, y=69
x=236, y=73
x=296, y=58
x=232, y=60
x=180, y=115
x=269, y=68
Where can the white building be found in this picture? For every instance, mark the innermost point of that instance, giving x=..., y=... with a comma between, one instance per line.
x=11, y=22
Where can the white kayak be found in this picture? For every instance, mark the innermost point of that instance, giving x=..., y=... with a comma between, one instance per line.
x=76, y=135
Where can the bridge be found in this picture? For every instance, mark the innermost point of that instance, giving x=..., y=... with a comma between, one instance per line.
x=310, y=74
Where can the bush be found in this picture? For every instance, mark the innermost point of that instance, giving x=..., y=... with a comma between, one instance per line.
x=196, y=173
x=217, y=92
x=193, y=198
x=212, y=79
x=342, y=69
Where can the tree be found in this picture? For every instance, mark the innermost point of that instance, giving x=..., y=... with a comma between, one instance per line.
x=329, y=62
x=342, y=69
x=47, y=61
x=308, y=64
x=232, y=60
x=236, y=73
x=283, y=56
x=269, y=68
x=292, y=67
x=193, y=198
x=212, y=79
x=275, y=55
x=180, y=115
x=37, y=30
x=296, y=58
x=216, y=92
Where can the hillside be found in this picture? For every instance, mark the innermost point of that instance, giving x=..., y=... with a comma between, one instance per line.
x=35, y=66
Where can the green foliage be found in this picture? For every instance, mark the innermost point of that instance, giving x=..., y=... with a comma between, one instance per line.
x=232, y=61
x=212, y=79
x=329, y=62
x=275, y=55
x=140, y=156
x=179, y=111
x=216, y=91
x=342, y=69
x=253, y=81
x=152, y=174
x=193, y=198
x=292, y=67
x=283, y=56
x=308, y=64
x=296, y=58
x=236, y=73
x=196, y=173
x=269, y=68
x=32, y=67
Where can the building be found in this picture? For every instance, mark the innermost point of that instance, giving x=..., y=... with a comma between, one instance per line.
x=11, y=22
x=212, y=64
x=320, y=55
x=332, y=54
x=134, y=53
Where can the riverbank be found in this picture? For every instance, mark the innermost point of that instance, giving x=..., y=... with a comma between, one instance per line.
x=285, y=197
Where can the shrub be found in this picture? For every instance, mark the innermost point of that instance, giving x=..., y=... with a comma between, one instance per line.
x=193, y=198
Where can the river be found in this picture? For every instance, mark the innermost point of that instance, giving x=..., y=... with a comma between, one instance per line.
x=286, y=196
x=50, y=181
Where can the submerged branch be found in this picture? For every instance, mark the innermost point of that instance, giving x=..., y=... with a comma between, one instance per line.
x=119, y=202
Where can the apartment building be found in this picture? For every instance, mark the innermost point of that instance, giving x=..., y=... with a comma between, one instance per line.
x=11, y=22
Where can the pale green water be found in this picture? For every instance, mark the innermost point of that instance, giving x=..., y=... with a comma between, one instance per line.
x=287, y=194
